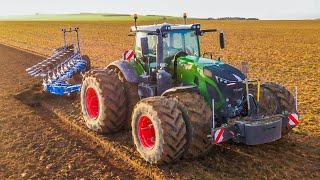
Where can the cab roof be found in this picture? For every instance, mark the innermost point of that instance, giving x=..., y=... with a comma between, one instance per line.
x=164, y=26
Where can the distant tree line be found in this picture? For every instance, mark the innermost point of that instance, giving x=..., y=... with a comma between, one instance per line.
x=233, y=18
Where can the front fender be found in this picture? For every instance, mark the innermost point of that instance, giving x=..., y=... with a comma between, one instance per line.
x=127, y=70
x=179, y=89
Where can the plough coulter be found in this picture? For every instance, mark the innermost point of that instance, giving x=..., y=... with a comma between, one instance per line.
x=178, y=102
x=66, y=63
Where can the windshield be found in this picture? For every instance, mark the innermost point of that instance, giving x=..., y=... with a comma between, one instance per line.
x=180, y=40
x=176, y=40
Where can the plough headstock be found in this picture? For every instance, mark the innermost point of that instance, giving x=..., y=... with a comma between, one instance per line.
x=62, y=65
x=70, y=30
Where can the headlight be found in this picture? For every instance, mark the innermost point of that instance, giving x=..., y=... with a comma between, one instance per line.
x=219, y=79
x=224, y=81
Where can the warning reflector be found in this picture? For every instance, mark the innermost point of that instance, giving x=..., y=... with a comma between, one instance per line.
x=293, y=119
x=129, y=55
x=218, y=135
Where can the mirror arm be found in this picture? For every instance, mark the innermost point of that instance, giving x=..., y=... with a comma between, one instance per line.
x=202, y=32
x=153, y=33
x=209, y=30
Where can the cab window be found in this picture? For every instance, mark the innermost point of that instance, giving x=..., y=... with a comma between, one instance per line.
x=152, y=43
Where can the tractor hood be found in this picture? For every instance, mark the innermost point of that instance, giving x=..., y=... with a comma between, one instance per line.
x=225, y=73
x=220, y=71
x=229, y=85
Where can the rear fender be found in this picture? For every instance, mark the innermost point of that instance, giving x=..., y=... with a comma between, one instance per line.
x=127, y=70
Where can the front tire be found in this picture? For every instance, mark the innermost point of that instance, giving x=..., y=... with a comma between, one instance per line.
x=275, y=99
x=199, y=116
x=103, y=101
x=159, y=130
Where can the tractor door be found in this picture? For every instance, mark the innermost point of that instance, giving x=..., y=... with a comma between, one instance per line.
x=152, y=43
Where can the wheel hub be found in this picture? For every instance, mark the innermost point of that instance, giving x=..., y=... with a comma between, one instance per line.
x=92, y=103
x=146, y=132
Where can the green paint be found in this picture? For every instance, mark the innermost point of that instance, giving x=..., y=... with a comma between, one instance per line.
x=190, y=71
x=138, y=67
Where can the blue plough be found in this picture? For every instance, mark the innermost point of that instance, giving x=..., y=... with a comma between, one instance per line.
x=65, y=63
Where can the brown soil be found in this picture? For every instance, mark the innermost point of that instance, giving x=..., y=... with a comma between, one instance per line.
x=285, y=52
x=42, y=138
x=33, y=142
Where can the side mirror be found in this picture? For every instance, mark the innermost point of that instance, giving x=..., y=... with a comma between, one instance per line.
x=221, y=38
x=144, y=46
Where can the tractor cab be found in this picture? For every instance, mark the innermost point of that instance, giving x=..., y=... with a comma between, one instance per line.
x=174, y=40
x=179, y=38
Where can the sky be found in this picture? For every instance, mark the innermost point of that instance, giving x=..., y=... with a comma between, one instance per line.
x=262, y=9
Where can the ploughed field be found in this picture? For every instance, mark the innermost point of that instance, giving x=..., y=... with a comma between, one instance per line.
x=287, y=52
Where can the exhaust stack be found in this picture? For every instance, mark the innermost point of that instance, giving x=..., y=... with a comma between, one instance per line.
x=185, y=18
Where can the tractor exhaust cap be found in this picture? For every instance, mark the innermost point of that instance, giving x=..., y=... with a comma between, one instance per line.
x=135, y=17
x=185, y=17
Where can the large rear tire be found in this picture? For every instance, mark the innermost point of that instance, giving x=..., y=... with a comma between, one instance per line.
x=159, y=130
x=199, y=116
x=131, y=90
x=103, y=101
x=275, y=99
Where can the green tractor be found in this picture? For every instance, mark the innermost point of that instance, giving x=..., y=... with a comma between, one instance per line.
x=178, y=103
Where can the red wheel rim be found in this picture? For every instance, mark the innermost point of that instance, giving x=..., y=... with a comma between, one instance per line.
x=92, y=103
x=146, y=132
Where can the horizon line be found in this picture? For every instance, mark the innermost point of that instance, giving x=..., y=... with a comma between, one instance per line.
x=126, y=14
